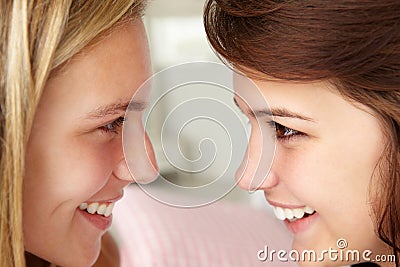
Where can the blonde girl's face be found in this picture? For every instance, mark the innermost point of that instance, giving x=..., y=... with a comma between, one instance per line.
x=326, y=153
x=75, y=169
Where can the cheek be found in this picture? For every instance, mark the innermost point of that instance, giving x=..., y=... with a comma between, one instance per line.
x=325, y=172
x=321, y=179
x=92, y=164
x=335, y=181
x=58, y=178
x=66, y=171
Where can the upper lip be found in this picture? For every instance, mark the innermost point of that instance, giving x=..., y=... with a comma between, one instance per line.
x=288, y=206
x=108, y=200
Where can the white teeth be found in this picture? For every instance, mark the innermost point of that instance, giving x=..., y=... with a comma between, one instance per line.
x=298, y=213
x=109, y=210
x=83, y=206
x=279, y=213
x=92, y=208
x=104, y=209
x=308, y=210
x=291, y=214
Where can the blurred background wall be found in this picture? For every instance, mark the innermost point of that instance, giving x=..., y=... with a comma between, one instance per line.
x=176, y=35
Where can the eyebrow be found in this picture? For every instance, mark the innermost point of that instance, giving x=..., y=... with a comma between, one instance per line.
x=276, y=112
x=116, y=108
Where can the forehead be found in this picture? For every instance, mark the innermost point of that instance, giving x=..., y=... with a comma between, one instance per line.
x=109, y=71
x=123, y=50
x=295, y=96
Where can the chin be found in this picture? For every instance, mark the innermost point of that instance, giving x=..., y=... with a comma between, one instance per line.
x=75, y=261
x=79, y=256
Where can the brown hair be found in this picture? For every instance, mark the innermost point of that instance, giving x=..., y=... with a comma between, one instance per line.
x=355, y=45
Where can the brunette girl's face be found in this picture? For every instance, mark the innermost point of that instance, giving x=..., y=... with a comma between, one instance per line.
x=75, y=168
x=327, y=150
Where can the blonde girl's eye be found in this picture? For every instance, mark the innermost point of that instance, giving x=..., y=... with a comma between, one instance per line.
x=113, y=127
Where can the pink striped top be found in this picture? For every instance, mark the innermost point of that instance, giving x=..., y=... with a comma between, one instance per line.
x=151, y=234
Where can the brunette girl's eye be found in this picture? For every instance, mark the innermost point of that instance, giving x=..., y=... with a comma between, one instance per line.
x=285, y=133
x=114, y=126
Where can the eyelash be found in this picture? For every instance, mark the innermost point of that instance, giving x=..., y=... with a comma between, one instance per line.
x=285, y=133
x=114, y=126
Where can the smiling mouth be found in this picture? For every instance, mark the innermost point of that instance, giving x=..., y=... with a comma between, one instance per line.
x=293, y=214
x=104, y=209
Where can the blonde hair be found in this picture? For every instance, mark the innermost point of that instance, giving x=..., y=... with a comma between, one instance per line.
x=38, y=37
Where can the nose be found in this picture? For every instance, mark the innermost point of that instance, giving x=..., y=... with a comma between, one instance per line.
x=138, y=163
x=256, y=171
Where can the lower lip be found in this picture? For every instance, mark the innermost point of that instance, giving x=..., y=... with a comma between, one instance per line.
x=99, y=221
x=301, y=224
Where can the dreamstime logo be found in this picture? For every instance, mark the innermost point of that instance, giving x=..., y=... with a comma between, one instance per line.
x=199, y=135
x=339, y=254
x=341, y=243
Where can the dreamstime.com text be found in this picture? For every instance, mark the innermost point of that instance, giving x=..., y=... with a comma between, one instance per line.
x=339, y=254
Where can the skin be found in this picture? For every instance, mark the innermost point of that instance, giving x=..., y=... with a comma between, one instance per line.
x=71, y=158
x=327, y=163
